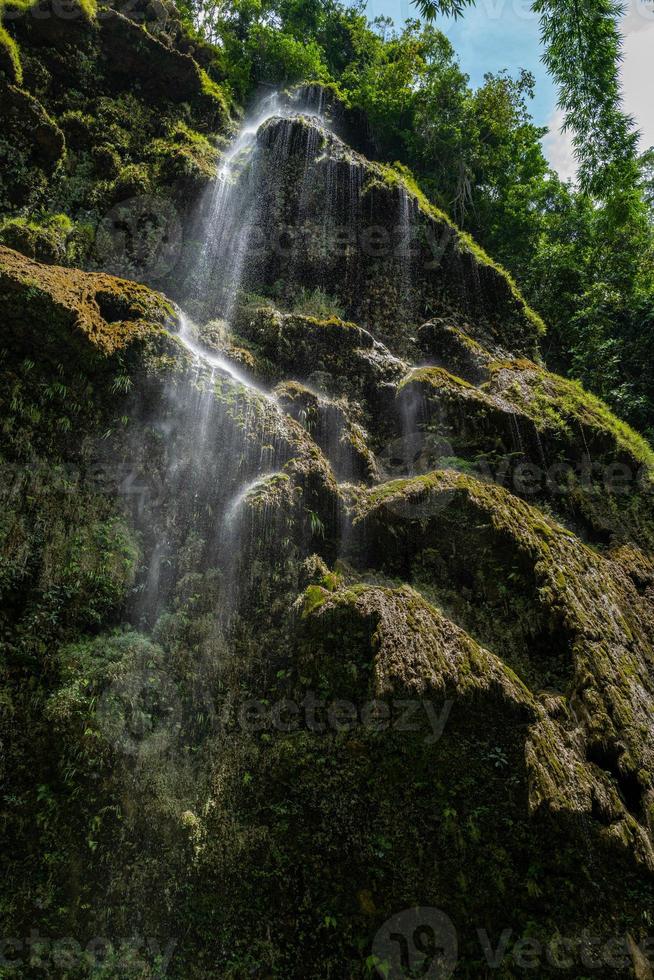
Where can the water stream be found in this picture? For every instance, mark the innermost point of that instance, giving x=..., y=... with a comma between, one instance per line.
x=222, y=441
x=218, y=436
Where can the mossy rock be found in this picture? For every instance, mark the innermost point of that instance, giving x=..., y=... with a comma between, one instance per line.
x=164, y=72
x=32, y=145
x=45, y=242
x=414, y=648
x=56, y=23
x=451, y=345
x=391, y=284
x=78, y=128
x=10, y=64
x=579, y=610
x=91, y=311
x=333, y=425
x=186, y=159
x=335, y=356
x=542, y=436
x=106, y=161
x=134, y=180
x=559, y=404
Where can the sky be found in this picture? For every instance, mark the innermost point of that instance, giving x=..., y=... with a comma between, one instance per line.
x=500, y=34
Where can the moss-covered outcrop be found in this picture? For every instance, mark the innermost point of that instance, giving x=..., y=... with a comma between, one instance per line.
x=334, y=205
x=114, y=124
x=334, y=427
x=336, y=356
x=564, y=618
x=516, y=424
x=67, y=306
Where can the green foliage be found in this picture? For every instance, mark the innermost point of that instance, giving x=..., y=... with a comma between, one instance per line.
x=591, y=273
x=448, y=8
x=316, y=302
x=583, y=52
x=48, y=238
x=283, y=59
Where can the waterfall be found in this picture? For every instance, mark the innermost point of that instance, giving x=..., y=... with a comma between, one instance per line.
x=234, y=213
x=188, y=336
x=222, y=441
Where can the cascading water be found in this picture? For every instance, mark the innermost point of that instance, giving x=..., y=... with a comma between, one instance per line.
x=223, y=442
x=233, y=215
x=218, y=437
x=188, y=335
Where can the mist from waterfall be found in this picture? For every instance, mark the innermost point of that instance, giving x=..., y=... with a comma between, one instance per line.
x=222, y=441
x=218, y=436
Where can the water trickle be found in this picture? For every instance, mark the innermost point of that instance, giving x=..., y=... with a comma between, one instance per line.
x=234, y=214
x=214, y=362
x=404, y=247
x=247, y=491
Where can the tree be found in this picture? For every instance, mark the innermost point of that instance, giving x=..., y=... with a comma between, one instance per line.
x=582, y=45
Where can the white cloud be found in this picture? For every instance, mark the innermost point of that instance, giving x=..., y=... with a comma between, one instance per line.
x=638, y=30
x=558, y=148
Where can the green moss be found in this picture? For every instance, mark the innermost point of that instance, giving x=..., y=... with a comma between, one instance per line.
x=426, y=523
x=134, y=180
x=399, y=176
x=45, y=239
x=435, y=377
x=101, y=314
x=214, y=95
x=268, y=491
x=185, y=155
x=10, y=55
x=552, y=401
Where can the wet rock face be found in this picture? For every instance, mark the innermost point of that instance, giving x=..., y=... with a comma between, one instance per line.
x=350, y=125
x=220, y=544
x=328, y=218
x=349, y=613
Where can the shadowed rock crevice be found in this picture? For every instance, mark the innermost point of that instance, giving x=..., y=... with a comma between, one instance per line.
x=631, y=793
